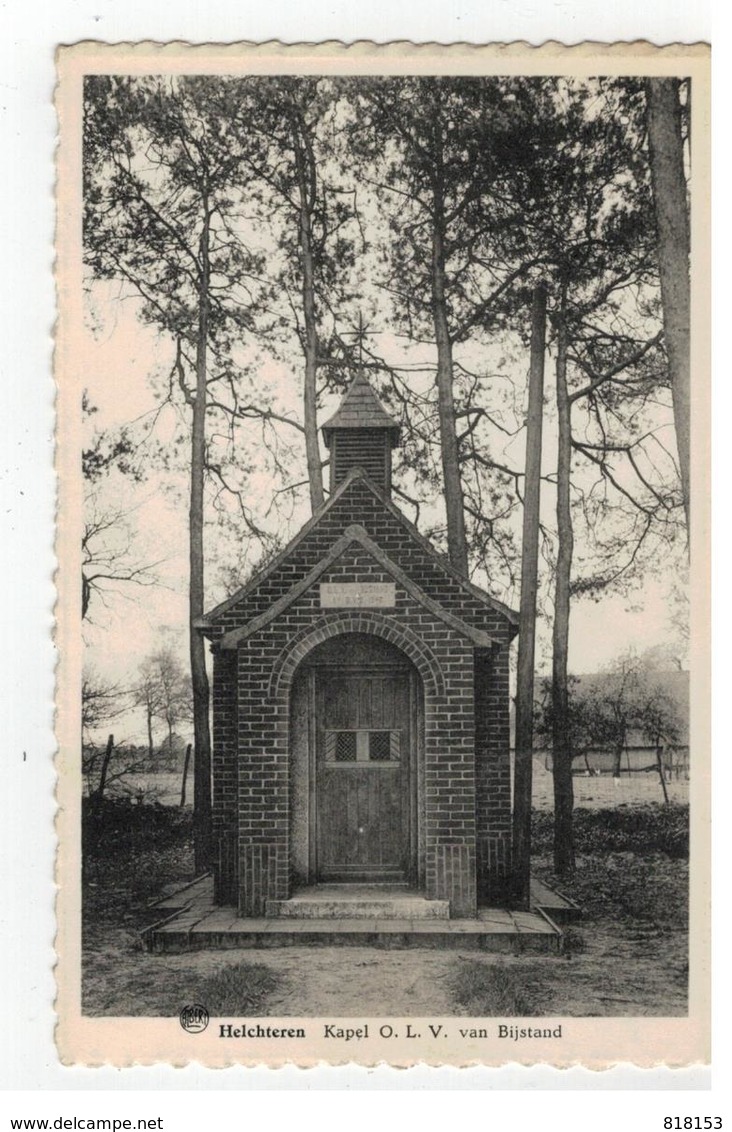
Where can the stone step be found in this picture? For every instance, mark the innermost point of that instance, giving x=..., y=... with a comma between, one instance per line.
x=559, y=907
x=321, y=905
x=202, y=925
x=496, y=930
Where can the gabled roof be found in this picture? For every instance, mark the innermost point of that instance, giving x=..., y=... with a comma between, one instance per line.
x=361, y=408
x=357, y=534
x=210, y=619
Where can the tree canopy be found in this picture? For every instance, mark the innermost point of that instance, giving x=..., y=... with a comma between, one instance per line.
x=275, y=232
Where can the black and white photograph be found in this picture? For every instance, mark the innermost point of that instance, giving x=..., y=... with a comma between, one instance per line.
x=382, y=477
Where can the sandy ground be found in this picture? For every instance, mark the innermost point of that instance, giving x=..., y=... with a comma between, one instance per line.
x=365, y=981
x=627, y=956
x=621, y=972
x=609, y=979
x=119, y=980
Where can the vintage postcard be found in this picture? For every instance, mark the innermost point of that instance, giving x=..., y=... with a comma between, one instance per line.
x=383, y=405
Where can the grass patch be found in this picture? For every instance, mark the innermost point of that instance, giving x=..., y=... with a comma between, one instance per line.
x=637, y=829
x=573, y=942
x=125, y=985
x=649, y=891
x=129, y=854
x=130, y=851
x=628, y=956
x=497, y=990
x=237, y=990
x=632, y=865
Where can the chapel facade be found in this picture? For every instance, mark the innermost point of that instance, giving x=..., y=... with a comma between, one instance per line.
x=361, y=704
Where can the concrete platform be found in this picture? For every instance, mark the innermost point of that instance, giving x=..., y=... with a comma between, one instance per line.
x=560, y=908
x=191, y=922
x=358, y=902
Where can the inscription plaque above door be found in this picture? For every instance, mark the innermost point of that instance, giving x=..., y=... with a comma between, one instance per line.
x=357, y=595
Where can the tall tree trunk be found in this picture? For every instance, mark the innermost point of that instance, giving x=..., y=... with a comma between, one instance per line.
x=85, y=595
x=456, y=540
x=199, y=676
x=661, y=772
x=150, y=745
x=617, y=760
x=561, y=737
x=666, y=148
x=184, y=782
x=527, y=623
x=305, y=165
x=105, y=768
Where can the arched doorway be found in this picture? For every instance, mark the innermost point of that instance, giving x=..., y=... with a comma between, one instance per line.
x=355, y=726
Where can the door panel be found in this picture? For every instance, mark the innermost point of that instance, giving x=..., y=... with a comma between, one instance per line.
x=363, y=762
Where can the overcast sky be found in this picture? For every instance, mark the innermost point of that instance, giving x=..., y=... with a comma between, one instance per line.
x=120, y=356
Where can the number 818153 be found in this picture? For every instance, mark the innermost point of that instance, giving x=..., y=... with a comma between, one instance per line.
x=692, y=1122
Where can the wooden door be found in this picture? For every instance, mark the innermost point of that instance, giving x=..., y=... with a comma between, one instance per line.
x=363, y=754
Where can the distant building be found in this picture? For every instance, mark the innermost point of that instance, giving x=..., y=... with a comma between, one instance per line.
x=639, y=752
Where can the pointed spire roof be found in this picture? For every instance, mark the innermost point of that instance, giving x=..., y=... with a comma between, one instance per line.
x=361, y=408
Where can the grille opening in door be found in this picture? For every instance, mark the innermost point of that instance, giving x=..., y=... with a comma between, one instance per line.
x=362, y=746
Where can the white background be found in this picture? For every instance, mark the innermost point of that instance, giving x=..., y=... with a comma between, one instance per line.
x=29, y=32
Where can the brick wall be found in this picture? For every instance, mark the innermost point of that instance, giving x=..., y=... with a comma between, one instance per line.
x=225, y=777
x=465, y=808
x=493, y=776
x=358, y=504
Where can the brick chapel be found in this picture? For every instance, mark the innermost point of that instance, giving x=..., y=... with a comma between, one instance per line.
x=361, y=703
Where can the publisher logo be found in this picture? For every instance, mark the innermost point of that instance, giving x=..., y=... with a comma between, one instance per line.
x=194, y=1018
